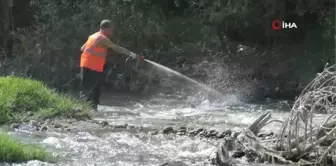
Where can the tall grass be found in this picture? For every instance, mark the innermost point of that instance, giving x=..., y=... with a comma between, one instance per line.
x=13, y=151
x=22, y=98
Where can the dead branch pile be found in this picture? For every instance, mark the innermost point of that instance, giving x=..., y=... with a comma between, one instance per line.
x=307, y=136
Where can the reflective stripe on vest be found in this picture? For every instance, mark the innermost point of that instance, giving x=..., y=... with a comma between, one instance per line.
x=93, y=57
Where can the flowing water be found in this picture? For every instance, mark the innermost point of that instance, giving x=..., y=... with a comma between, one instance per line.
x=87, y=146
x=104, y=147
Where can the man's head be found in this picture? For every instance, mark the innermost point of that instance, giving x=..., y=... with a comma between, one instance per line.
x=107, y=28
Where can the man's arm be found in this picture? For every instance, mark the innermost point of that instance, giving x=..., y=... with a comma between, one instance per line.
x=83, y=47
x=107, y=43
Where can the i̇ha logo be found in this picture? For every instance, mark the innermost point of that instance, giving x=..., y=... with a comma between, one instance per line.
x=278, y=24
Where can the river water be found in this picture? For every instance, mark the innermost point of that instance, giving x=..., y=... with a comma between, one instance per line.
x=87, y=146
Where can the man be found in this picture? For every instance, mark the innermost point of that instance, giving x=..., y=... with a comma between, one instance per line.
x=92, y=61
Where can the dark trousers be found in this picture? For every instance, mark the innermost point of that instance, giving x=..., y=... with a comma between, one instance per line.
x=90, y=85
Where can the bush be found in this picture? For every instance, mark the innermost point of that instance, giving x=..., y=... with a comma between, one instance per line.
x=12, y=151
x=25, y=98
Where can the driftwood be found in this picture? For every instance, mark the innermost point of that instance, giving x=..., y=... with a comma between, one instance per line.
x=302, y=139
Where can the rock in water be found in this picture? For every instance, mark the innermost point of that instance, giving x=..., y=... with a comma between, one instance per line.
x=174, y=164
x=15, y=126
x=57, y=126
x=196, y=131
x=33, y=123
x=238, y=154
x=227, y=132
x=168, y=130
x=104, y=123
x=121, y=126
x=220, y=135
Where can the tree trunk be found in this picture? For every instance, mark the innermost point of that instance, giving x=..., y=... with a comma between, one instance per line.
x=6, y=26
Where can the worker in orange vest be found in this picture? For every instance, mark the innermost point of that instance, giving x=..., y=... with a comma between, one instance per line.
x=92, y=61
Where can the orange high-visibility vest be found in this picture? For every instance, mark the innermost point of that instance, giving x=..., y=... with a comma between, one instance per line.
x=93, y=56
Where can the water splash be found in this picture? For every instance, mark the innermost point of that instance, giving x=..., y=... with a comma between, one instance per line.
x=204, y=87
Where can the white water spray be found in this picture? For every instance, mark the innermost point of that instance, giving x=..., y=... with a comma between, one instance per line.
x=204, y=87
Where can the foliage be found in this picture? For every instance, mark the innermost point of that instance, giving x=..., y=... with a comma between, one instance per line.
x=12, y=151
x=22, y=98
x=173, y=32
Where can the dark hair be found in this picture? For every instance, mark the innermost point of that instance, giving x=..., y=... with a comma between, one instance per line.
x=106, y=24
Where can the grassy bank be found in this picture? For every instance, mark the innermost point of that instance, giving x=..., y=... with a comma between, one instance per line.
x=23, y=99
x=13, y=151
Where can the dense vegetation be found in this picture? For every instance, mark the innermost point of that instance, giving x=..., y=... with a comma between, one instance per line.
x=13, y=151
x=47, y=36
x=24, y=99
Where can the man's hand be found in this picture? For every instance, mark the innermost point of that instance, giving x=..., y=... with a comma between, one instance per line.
x=133, y=55
x=137, y=57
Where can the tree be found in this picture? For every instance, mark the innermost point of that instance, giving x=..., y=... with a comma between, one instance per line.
x=6, y=29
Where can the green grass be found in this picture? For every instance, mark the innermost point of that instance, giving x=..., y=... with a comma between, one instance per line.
x=23, y=99
x=13, y=151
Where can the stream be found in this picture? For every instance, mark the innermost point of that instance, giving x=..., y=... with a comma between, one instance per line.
x=87, y=146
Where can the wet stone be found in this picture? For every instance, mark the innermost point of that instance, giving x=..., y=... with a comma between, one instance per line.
x=33, y=123
x=123, y=126
x=104, y=123
x=212, y=133
x=190, y=129
x=227, y=132
x=168, y=130
x=155, y=132
x=96, y=121
x=196, y=131
x=250, y=159
x=183, y=128
x=235, y=134
x=202, y=133
x=174, y=164
x=15, y=126
x=238, y=154
x=180, y=133
x=130, y=127
x=220, y=135
x=44, y=128
x=56, y=126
